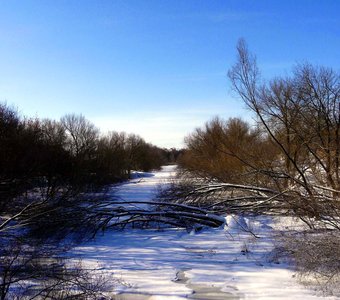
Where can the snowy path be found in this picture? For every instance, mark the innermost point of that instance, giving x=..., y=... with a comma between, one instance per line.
x=170, y=264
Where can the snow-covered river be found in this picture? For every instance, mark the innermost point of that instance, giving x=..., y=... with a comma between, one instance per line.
x=223, y=263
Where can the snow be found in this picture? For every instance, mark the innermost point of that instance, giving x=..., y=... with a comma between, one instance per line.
x=222, y=263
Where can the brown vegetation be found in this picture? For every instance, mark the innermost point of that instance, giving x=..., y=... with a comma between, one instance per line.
x=293, y=149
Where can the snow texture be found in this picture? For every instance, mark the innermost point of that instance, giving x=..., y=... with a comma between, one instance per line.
x=170, y=264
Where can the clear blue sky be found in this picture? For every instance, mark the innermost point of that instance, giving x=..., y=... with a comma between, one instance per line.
x=155, y=68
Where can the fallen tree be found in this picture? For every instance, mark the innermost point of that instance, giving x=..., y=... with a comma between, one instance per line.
x=150, y=214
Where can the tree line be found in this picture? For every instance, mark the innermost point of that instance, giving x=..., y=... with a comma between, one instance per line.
x=53, y=176
x=72, y=150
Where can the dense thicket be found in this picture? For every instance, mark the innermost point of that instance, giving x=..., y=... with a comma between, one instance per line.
x=228, y=151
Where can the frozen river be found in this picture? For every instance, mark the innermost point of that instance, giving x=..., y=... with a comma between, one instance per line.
x=222, y=263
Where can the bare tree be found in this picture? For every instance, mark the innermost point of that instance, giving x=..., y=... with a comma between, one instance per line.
x=82, y=135
x=301, y=117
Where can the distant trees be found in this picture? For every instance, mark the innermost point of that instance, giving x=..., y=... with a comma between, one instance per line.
x=120, y=153
x=226, y=151
x=135, y=149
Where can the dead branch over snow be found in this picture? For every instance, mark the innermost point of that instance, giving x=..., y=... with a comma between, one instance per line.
x=222, y=198
x=154, y=214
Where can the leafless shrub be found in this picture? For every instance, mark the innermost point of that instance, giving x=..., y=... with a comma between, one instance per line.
x=316, y=256
x=300, y=115
x=42, y=272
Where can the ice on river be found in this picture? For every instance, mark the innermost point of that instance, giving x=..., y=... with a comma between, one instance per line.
x=223, y=263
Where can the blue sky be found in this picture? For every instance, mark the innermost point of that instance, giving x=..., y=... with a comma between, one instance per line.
x=155, y=68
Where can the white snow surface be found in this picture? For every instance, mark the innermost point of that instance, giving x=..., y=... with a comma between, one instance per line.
x=147, y=262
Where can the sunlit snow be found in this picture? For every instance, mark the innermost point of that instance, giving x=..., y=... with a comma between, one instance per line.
x=223, y=263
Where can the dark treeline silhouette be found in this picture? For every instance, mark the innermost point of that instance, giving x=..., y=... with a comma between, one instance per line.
x=49, y=171
x=70, y=151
